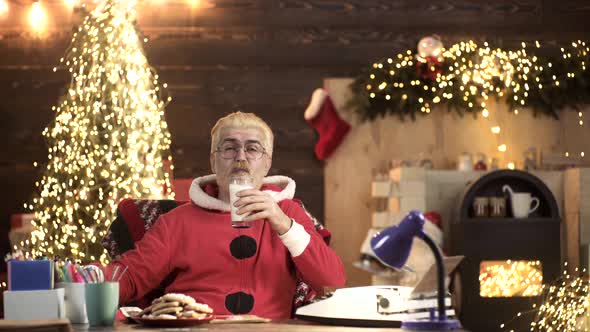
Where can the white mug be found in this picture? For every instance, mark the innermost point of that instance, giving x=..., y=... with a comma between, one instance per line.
x=75, y=301
x=521, y=202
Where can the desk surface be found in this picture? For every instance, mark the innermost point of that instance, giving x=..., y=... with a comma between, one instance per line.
x=282, y=326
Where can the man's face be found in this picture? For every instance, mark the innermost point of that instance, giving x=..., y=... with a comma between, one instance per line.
x=240, y=139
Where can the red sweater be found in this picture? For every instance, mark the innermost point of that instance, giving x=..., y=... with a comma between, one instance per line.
x=235, y=271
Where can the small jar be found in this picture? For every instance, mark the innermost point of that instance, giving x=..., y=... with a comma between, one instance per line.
x=481, y=207
x=481, y=165
x=465, y=162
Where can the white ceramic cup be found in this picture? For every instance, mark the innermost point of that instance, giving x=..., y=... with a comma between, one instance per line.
x=75, y=301
x=521, y=202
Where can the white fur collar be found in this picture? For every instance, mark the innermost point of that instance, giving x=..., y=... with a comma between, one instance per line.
x=201, y=198
x=315, y=105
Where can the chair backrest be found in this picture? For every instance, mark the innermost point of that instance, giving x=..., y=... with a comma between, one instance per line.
x=136, y=216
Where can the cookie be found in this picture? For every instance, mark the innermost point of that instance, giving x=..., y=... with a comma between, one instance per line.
x=184, y=299
x=145, y=311
x=162, y=305
x=165, y=316
x=192, y=314
x=169, y=310
x=199, y=307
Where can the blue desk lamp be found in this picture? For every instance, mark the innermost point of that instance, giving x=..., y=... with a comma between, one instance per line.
x=392, y=247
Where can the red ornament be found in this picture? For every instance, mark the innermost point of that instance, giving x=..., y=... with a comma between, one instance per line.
x=429, y=67
x=480, y=166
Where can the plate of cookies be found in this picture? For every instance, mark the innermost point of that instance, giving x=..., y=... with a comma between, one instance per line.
x=175, y=310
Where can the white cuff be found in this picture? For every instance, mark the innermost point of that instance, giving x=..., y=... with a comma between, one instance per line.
x=296, y=239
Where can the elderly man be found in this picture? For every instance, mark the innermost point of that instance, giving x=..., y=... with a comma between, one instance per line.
x=234, y=270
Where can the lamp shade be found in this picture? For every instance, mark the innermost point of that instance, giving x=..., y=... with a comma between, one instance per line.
x=392, y=245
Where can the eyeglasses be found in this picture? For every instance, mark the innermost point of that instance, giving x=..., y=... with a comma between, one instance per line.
x=253, y=151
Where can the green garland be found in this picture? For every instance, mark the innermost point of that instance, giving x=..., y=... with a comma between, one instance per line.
x=465, y=76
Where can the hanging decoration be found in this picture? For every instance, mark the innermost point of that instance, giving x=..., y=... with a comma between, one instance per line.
x=465, y=75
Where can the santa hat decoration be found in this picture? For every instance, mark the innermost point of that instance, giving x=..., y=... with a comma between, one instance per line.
x=322, y=116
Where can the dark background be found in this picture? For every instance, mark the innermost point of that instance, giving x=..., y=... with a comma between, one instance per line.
x=258, y=56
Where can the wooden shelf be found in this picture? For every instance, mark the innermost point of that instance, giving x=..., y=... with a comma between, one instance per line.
x=504, y=221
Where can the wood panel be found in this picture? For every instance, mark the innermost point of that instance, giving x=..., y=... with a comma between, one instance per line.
x=400, y=14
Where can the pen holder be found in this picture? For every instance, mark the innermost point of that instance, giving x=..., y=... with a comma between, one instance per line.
x=75, y=301
x=102, y=300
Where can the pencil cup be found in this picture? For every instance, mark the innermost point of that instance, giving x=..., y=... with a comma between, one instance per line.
x=75, y=301
x=102, y=300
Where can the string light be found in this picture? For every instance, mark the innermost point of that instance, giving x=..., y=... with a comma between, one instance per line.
x=564, y=307
x=38, y=17
x=510, y=278
x=502, y=148
x=3, y=7
x=71, y=3
x=495, y=129
x=109, y=139
x=511, y=165
x=466, y=75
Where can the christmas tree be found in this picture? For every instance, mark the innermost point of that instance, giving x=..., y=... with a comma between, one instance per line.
x=109, y=139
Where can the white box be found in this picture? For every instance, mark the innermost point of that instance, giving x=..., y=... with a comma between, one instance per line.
x=37, y=304
x=381, y=188
x=380, y=219
x=407, y=174
x=401, y=204
x=408, y=188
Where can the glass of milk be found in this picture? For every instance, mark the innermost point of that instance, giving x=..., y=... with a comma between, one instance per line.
x=237, y=184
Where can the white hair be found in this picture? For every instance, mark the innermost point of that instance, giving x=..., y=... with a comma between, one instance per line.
x=243, y=120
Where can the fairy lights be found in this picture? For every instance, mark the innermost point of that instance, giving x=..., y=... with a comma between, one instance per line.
x=37, y=17
x=3, y=7
x=510, y=278
x=109, y=139
x=464, y=76
x=564, y=307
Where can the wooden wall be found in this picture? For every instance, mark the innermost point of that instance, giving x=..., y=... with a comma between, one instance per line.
x=262, y=56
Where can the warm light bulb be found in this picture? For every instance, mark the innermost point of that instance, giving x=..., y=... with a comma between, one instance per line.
x=37, y=16
x=511, y=165
x=502, y=148
x=485, y=113
x=3, y=6
x=496, y=129
x=582, y=154
x=70, y=3
x=194, y=3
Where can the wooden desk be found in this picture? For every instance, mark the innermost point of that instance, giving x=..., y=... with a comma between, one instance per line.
x=282, y=326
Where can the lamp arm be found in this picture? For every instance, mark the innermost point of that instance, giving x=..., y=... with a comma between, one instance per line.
x=440, y=269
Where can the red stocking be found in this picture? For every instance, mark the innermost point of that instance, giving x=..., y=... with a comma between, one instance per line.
x=322, y=116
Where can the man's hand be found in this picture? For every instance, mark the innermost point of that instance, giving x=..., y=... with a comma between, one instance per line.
x=260, y=205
